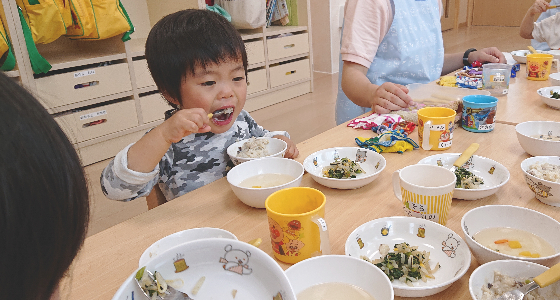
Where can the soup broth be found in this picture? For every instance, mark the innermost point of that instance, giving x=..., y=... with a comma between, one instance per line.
x=266, y=180
x=515, y=242
x=334, y=291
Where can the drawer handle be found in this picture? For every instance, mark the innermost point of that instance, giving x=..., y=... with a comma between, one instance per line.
x=83, y=85
x=289, y=46
x=290, y=72
x=89, y=124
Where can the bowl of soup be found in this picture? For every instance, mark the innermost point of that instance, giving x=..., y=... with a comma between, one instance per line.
x=335, y=277
x=539, y=138
x=495, y=232
x=253, y=181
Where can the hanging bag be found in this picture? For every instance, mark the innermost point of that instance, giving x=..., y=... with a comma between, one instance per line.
x=9, y=62
x=245, y=14
x=46, y=19
x=99, y=19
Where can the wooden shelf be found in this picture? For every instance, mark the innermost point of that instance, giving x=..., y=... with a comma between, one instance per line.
x=13, y=73
x=274, y=30
x=136, y=47
x=77, y=105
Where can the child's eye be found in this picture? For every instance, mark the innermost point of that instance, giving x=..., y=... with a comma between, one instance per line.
x=208, y=83
x=239, y=78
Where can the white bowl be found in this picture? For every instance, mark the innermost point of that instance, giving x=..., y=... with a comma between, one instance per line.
x=256, y=197
x=534, y=146
x=256, y=276
x=546, y=96
x=370, y=161
x=554, y=79
x=484, y=274
x=276, y=148
x=492, y=216
x=547, y=192
x=521, y=55
x=340, y=269
x=181, y=237
x=493, y=173
x=555, y=53
x=454, y=257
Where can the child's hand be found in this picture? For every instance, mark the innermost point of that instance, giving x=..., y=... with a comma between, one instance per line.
x=389, y=97
x=538, y=7
x=183, y=123
x=292, y=151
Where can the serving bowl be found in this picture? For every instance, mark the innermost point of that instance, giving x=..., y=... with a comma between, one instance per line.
x=508, y=216
x=255, y=196
x=521, y=55
x=546, y=96
x=518, y=269
x=340, y=269
x=554, y=79
x=275, y=148
x=445, y=246
x=527, y=135
x=181, y=237
x=494, y=174
x=229, y=267
x=370, y=161
x=546, y=191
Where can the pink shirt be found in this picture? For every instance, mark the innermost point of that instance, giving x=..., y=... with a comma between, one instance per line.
x=365, y=24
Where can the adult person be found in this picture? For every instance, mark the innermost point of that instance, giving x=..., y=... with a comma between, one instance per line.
x=387, y=44
x=44, y=208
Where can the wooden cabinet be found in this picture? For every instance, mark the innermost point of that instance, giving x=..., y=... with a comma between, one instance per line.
x=103, y=96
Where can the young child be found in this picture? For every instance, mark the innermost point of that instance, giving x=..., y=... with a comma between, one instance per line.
x=198, y=61
x=546, y=29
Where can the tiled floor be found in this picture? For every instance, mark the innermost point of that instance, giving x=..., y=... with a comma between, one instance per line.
x=303, y=117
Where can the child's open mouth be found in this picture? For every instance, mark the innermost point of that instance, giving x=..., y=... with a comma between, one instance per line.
x=222, y=115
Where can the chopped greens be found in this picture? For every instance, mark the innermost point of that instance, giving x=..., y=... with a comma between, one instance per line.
x=554, y=95
x=342, y=169
x=467, y=180
x=405, y=263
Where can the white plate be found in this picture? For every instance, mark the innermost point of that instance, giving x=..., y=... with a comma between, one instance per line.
x=227, y=265
x=494, y=174
x=546, y=97
x=181, y=237
x=370, y=161
x=445, y=246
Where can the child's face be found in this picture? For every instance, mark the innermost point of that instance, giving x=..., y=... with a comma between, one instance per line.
x=220, y=89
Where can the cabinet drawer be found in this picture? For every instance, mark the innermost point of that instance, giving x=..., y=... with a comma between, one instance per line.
x=142, y=74
x=73, y=87
x=255, y=52
x=287, y=46
x=289, y=72
x=92, y=123
x=256, y=81
x=153, y=108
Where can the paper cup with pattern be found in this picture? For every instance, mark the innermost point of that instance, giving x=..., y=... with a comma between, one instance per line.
x=296, y=220
x=435, y=127
x=425, y=191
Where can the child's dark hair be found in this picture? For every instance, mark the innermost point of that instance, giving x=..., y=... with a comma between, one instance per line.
x=186, y=39
x=44, y=208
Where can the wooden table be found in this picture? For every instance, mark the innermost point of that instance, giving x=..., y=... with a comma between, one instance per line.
x=522, y=103
x=109, y=257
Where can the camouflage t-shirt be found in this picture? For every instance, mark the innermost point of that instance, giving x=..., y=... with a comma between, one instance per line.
x=197, y=160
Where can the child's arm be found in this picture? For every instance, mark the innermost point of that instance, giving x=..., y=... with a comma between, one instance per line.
x=526, y=28
x=145, y=154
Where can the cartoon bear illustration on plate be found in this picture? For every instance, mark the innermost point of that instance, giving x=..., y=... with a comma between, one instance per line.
x=450, y=245
x=236, y=261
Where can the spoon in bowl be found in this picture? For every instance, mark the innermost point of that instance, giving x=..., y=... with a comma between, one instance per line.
x=547, y=278
x=169, y=293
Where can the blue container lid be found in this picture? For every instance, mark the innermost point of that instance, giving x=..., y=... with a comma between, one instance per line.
x=481, y=99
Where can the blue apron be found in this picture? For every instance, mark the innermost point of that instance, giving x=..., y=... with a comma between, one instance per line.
x=411, y=52
x=543, y=45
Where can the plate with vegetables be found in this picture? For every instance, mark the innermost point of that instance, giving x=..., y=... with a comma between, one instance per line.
x=344, y=167
x=211, y=268
x=479, y=177
x=550, y=96
x=420, y=257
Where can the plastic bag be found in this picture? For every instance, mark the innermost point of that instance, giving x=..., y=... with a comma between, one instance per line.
x=245, y=14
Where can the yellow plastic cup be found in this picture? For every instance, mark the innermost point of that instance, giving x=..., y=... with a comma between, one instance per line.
x=539, y=65
x=296, y=222
x=435, y=127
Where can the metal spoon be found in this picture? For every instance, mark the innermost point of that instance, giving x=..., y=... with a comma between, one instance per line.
x=170, y=293
x=547, y=278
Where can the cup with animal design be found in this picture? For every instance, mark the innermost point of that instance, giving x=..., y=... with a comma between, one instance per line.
x=296, y=222
x=479, y=112
x=435, y=127
x=425, y=191
x=539, y=66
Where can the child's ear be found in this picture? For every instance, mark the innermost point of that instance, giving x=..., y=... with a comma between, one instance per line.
x=171, y=100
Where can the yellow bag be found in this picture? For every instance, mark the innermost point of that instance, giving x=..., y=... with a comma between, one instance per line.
x=8, y=63
x=99, y=19
x=46, y=19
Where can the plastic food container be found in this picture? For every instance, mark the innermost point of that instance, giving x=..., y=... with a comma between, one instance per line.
x=495, y=78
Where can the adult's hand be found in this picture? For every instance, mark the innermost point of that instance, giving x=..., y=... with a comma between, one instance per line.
x=491, y=55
